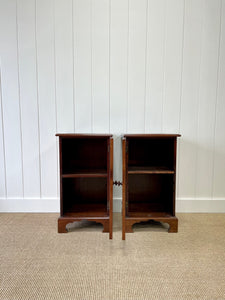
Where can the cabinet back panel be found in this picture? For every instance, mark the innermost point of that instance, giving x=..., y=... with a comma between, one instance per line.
x=84, y=194
x=151, y=152
x=84, y=155
x=150, y=193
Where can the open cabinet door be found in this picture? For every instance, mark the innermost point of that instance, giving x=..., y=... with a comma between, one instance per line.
x=110, y=186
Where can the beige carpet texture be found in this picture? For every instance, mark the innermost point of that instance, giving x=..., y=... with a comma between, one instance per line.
x=38, y=263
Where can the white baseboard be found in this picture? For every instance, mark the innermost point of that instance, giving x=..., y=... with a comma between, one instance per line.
x=199, y=205
x=188, y=205
x=29, y=205
x=45, y=205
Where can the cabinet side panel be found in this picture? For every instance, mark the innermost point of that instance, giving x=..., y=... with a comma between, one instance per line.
x=174, y=178
x=124, y=188
x=60, y=176
x=110, y=187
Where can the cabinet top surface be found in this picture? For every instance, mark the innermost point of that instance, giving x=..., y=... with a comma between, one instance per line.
x=155, y=135
x=83, y=135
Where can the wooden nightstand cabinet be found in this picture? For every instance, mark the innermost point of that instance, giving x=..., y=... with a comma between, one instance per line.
x=149, y=179
x=86, y=179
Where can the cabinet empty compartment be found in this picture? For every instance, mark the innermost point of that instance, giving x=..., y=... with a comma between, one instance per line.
x=154, y=153
x=149, y=177
x=81, y=155
x=150, y=194
x=87, y=196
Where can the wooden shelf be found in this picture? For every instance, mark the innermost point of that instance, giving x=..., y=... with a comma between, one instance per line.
x=86, y=210
x=146, y=207
x=86, y=173
x=154, y=215
x=149, y=170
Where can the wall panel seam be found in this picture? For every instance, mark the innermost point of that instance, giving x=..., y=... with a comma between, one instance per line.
x=181, y=92
x=128, y=35
x=146, y=56
x=91, y=37
x=72, y=12
x=19, y=98
x=38, y=106
x=164, y=71
x=199, y=79
x=216, y=103
x=55, y=91
x=109, y=63
x=3, y=135
x=182, y=64
x=54, y=53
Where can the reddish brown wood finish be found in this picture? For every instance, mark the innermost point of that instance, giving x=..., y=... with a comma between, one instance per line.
x=63, y=221
x=124, y=188
x=86, y=180
x=84, y=135
x=110, y=186
x=149, y=177
x=172, y=221
x=151, y=135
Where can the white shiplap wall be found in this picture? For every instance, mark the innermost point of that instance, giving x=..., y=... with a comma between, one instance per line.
x=111, y=66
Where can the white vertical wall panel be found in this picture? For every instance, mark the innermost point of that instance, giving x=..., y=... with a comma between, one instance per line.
x=3, y=192
x=10, y=98
x=82, y=28
x=100, y=65
x=155, y=65
x=118, y=82
x=137, y=65
x=219, y=143
x=207, y=98
x=64, y=65
x=46, y=96
x=118, y=65
x=190, y=98
x=28, y=97
x=111, y=66
x=172, y=65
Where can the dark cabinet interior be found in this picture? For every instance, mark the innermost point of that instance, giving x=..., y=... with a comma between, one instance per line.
x=149, y=179
x=84, y=156
x=86, y=179
x=150, y=193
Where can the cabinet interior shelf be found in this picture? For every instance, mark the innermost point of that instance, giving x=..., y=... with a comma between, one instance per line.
x=149, y=170
x=87, y=210
x=140, y=215
x=85, y=173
